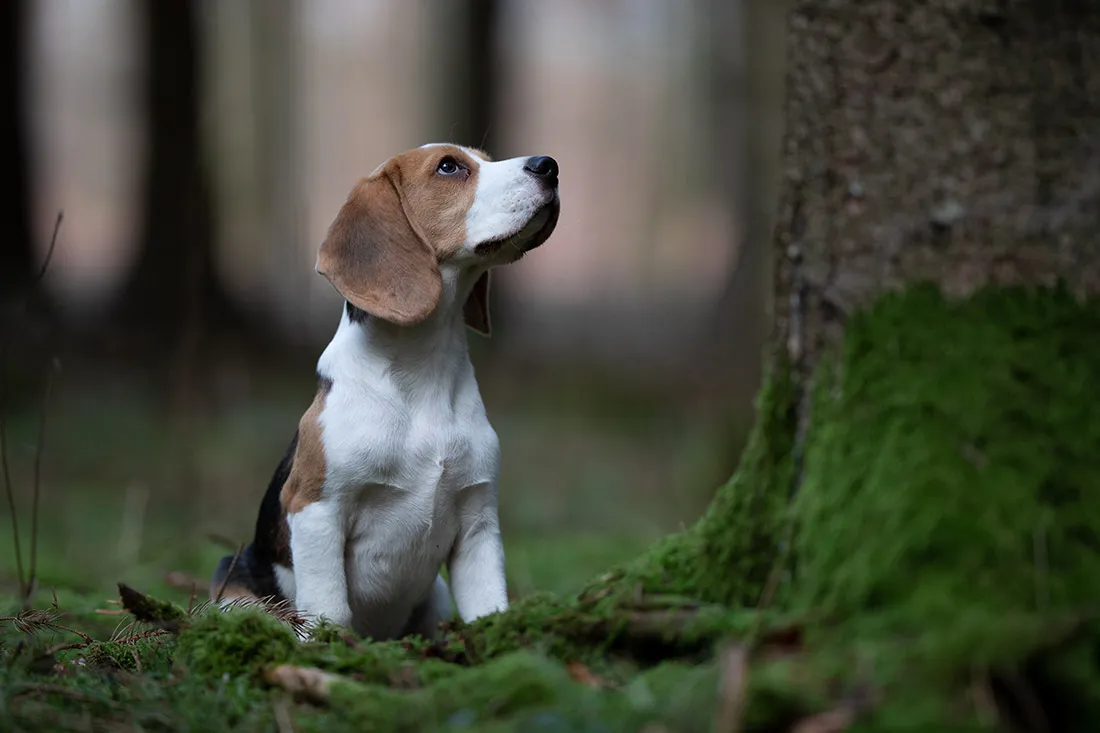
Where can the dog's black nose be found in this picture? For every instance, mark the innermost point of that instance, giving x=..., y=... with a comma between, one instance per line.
x=544, y=167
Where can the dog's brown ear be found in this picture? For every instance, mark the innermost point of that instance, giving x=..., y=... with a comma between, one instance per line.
x=376, y=261
x=476, y=309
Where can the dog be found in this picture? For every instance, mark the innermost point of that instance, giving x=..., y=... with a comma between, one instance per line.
x=392, y=473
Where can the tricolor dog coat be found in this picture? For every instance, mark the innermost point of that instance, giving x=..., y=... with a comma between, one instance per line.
x=393, y=470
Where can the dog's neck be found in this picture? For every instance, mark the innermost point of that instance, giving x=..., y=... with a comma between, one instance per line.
x=415, y=357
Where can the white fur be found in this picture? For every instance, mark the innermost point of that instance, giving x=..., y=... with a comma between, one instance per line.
x=507, y=199
x=411, y=459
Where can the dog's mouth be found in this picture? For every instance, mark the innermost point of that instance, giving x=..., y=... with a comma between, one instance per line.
x=533, y=234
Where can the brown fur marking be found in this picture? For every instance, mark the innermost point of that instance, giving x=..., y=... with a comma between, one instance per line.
x=382, y=252
x=282, y=538
x=307, y=475
x=436, y=205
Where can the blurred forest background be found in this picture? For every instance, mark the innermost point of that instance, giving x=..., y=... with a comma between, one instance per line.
x=199, y=150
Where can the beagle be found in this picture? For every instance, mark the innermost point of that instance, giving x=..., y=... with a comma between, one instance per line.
x=393, y=470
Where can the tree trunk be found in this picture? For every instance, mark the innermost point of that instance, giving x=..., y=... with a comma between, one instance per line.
x=921, y=479
x=17, y=253
x=467, y=98
x=28, y=321
x=173, y=294
x=746, y=91
x=467, y=95
x=278, y=176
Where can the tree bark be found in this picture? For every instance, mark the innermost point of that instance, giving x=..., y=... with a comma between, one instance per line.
x=955, y=142
x=925, y=453
x=921, y=478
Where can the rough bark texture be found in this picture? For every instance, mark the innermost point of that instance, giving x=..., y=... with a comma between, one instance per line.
x=953, y=141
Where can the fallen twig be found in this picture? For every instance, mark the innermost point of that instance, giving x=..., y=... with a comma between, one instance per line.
x=32, y=575
x=307, y=683
x=229, y=573
x=8, y=490
x=831, y=721
x=33, y=620
x=26, y=583
x=146, y=608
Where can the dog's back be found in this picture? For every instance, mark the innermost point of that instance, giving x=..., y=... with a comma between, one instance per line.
x=250, y=575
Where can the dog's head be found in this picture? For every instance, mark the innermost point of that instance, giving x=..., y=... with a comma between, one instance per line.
x=437, y=207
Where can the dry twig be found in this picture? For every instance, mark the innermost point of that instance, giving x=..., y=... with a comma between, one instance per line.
x=44, y=689
x=229, y=573
x=307, y=683
x=26, y=583
x=32, y=575
x=733, y=687
x=8, y=490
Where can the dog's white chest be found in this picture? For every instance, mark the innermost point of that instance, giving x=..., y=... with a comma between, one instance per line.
x=398, y=472
x=438, y=444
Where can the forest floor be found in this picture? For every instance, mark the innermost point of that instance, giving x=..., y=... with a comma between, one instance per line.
x=922, y=554
x=591, y=476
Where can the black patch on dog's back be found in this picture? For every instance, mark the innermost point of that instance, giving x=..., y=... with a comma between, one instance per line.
x=355, y=315
x=272, y=538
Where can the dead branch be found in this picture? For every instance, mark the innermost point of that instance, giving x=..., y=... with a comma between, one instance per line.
x=282, y=716
x=31, y=621
x=146, y=608
x=229, y=573
x=733, y=688
x=49, y=253
x=8, y=490
x=32, y=574
x=307, y=683
x=26, y=583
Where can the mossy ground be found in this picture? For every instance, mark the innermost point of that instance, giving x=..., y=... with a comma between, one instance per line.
x=937, y=569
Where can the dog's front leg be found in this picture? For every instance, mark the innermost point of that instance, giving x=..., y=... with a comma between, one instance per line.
x=476, y=564
x=317, y=539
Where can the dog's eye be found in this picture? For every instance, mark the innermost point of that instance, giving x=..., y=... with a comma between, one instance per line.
x=447, y=167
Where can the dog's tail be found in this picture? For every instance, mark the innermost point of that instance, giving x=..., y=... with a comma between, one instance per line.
x=232, y=582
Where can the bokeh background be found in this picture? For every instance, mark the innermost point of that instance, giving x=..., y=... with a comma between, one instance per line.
x=199, y=150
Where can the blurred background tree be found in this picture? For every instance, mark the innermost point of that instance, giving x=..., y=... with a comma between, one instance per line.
x=17, y=254
x=200, y=150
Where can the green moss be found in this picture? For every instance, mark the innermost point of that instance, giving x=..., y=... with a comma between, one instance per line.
x=560, y=627
x=949, y=514
x=953, y=459
x=729, y=554
x=149, y=609
x=234, y=642
x=522, y=691
x=405, y=663
x=947, y=541
x=153, y=654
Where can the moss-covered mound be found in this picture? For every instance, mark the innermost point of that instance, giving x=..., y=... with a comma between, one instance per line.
x=925, y=556
x=950, y=512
